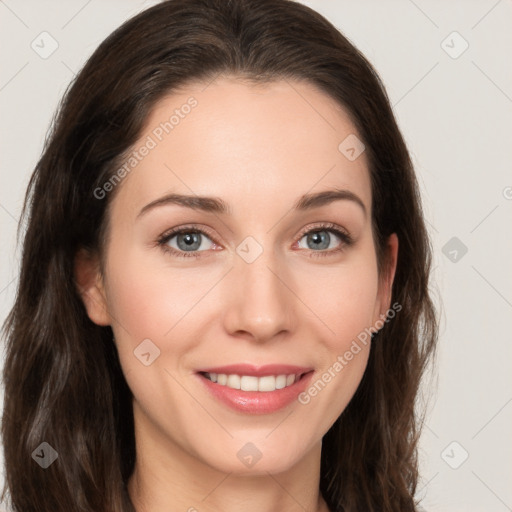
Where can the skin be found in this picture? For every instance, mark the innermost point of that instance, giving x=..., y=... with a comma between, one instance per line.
x=259, y=148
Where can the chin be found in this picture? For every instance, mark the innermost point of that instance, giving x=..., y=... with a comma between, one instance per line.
x=256, y=458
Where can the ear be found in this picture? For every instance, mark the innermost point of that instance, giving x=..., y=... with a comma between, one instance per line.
x=89, y=283
x=387, y=277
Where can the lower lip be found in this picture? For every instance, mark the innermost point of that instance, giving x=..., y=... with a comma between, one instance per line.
x=257, y=402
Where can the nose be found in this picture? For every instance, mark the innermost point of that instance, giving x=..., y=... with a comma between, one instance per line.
x=260, y=304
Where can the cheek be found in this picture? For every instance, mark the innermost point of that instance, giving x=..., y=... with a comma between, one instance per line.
x=344, y=299
x=151, y=309
x=149, y=300
x=155, y=311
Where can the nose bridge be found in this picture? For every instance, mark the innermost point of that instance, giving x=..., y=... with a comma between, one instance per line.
x=261, y=303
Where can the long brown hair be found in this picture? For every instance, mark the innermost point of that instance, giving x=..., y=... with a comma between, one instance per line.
x=62, y=377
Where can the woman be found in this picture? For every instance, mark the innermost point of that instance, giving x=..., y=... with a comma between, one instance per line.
x=223, y=301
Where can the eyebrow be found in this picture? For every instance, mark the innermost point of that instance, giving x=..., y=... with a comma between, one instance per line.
x=219, y=206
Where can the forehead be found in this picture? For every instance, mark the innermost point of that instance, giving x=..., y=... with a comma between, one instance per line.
x=252, y=145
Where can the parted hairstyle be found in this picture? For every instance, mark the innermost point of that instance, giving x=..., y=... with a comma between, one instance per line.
x=63, y=381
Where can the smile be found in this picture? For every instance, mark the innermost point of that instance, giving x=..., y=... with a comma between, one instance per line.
x=253, y=389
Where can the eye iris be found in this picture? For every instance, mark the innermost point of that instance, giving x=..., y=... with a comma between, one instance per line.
x=192, y=241
x=320, y=236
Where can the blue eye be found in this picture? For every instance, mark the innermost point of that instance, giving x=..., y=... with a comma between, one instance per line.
x=320, y=238
x=190, y=241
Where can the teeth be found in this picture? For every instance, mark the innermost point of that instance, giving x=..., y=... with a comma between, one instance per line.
x=267, y=383
x=281, y=381
x=248, y=383
x=251, y=383
x=233, y=381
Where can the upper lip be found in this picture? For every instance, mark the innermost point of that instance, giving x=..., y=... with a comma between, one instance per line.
x=257, y=371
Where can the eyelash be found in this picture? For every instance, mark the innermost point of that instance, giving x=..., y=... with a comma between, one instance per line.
x=346, y=240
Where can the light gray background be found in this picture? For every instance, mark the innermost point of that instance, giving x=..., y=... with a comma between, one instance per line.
x=455, y=114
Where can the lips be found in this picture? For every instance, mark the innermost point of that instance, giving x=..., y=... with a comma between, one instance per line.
x=256, y=389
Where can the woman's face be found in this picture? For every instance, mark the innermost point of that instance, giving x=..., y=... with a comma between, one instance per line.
x=265, y=280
